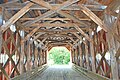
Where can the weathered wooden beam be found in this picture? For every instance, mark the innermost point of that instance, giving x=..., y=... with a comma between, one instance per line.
x=56, y=35
x=54, y=19
x=79, y=37
x=90, y=14
x=52, y=11
x=82, y=32
x=76, y=55
x=35, y=37
x=98, y=21
x=30, y=34
x=54, y=31
x=36, y=57
x=71, y=39
x=71, y=55
x=54, y=24
x=74, y=7
x=75, y=19
x=112, y=50
x=10, y=56
x=92, y=51
x=8, y=3
x=22, y=59
x=42, y=3
x=28, y=65
x=87, y=55
x=46, y=56
x=0, y=42
x=13, y=19
x=113, y=6
x=4, y=72
x=117, y=53
x=70, y=44
x=81, y=55
x=58, y=43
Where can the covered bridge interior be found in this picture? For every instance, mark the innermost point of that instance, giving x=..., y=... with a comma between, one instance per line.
x=89, y=29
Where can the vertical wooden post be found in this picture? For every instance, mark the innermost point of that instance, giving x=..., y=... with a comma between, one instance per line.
x=25, y=55
x=92, y=51
x=22, y=59
x=2, y=17
x=28, y=56
x=41, y=56
x=17, y=53
x=72, y=55
x=36, y=55
x=0, y=42
x=78, y=55
x=87, y=56
x=10, y=64
x=75, y=55
x=33, y=55
x=114, y=65
x=80, y=50
x=45, y=56
x=0, y=50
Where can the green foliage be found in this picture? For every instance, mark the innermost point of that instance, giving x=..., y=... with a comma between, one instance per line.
x=60, y=55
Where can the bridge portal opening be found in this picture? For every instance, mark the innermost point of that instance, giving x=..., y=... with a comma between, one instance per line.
x=59, y=56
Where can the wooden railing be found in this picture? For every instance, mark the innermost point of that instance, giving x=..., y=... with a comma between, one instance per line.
x=31, y=74
x=91, y=75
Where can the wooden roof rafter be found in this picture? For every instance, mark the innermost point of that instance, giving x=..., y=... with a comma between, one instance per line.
x=52, y=11
x=13, y=19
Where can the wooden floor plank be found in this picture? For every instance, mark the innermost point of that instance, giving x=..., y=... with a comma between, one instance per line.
x=60, y=73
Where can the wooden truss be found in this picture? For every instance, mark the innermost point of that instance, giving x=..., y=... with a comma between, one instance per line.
x=41, y=25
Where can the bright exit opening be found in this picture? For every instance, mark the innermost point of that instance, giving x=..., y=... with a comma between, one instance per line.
x=59, y=56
